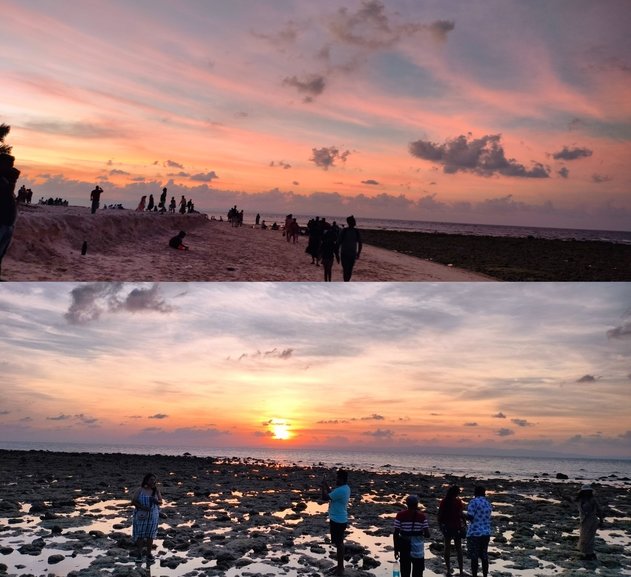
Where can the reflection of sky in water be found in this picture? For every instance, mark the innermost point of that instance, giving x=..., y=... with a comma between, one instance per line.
x=309, y=551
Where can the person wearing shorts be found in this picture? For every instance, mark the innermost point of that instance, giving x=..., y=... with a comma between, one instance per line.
x=479, y=531
x=338, y=514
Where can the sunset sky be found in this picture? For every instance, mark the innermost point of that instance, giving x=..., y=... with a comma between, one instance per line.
x=393, y=366
x=500, y=111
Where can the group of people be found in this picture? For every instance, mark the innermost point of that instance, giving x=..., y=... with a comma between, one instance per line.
x=235, y=216
x=25, y=195
x=410, y=528
x=328, y=243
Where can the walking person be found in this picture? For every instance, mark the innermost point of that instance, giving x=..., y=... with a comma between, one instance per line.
x=350, y=247
x=479, y=531
x=338, y=514
x=591, y=519
x=95, y=197
x=453, y=526
x=146, y=500
x=410, y=528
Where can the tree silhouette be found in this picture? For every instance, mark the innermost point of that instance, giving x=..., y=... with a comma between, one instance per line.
x=4, y=130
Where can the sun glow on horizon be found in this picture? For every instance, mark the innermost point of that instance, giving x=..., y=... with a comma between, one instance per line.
x=280, y=430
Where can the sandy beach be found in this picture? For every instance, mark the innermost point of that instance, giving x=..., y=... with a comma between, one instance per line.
x=68, y=514
x=125, y=245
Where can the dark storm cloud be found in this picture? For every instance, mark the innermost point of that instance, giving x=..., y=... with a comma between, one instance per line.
x=504, y=432
x=564, y=172
x=370, y=27
x=370, y=181
x=311, y=85
x=90, y=301
x=205, y=177
x=326, y=157
x=587, y=379
x=572, y=153
x=484, y=156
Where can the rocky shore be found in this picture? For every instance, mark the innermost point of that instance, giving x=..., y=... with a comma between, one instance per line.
x=513, y=259
x=69, y=514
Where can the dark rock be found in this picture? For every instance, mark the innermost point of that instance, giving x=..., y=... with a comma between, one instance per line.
x=38, y=507
x=561, y=476
x=54, y=559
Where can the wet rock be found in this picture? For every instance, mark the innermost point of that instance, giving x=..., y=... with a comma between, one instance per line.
x=33, y=548
x=172, y=562
x=9, y=506
x=38, y=507
x=54, y=559
x=56, y=530
x=369, y=563
x=561, y=476
x=6, y=550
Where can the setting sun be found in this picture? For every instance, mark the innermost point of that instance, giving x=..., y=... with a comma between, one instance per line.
x=280, y=430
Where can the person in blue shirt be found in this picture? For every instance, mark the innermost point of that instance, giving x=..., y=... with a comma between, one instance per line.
x=338, y=514
x=479, y=530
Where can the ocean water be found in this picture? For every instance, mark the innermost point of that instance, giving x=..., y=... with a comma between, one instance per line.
x=622, y=237
x=613, y=471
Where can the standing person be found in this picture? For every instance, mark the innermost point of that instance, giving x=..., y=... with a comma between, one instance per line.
x=8, y=207
x=95, y=197
x=591, y=518
x=479, y=530
x=257, y=220
x=328, y=252
x=451, y=520
x=146, y=500
x=141, y=204
x=350, y=247
x=151, y=203
x=163, y=200
x=183, y=205
x=172, y=205
x=410, y=527
x=338, y=513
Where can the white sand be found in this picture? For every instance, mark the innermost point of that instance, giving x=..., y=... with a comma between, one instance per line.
x=125, y=245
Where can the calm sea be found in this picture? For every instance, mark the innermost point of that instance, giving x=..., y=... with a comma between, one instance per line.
x=623, y=237
x=606, y=470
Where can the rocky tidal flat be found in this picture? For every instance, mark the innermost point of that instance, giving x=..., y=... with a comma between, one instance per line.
x=69, y=514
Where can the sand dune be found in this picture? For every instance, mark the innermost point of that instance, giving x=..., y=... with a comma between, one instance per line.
x=125, y=245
